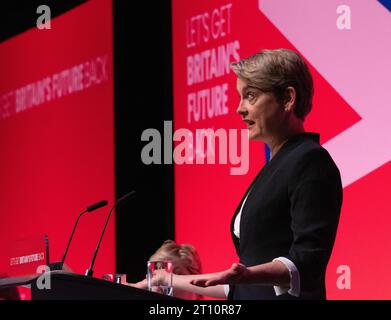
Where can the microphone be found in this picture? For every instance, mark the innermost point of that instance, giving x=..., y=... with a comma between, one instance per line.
x=97, y=205
x=89, y=271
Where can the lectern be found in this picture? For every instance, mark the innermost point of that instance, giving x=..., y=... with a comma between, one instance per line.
x=70, y=286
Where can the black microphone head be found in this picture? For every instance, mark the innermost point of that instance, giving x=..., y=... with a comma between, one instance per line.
x=126, y=196
x=97, y=205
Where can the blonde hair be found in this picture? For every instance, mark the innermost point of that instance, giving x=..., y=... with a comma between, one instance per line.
x=275, y=70
x=184, y=257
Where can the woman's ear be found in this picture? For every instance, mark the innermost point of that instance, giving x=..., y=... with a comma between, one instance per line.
x=289, y=99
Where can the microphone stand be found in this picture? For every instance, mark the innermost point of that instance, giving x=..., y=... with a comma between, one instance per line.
x=89, y=271
x=59, y=265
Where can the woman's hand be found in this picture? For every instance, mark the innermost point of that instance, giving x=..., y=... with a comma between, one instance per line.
x=230, y=276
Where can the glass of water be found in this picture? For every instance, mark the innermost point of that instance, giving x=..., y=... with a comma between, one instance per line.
x=159, y=277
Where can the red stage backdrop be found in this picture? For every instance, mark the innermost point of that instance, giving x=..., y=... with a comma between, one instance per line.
x=56, y=135
x=349, y=112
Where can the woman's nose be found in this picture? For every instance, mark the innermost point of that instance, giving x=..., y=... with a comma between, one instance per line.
x=241, y=110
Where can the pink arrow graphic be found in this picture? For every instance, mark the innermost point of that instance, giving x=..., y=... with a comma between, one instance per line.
x=355, y=62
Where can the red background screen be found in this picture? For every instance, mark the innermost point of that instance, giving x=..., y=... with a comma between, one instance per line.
x=56, y=135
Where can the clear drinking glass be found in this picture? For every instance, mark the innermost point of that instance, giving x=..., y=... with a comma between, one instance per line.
x=159, y=277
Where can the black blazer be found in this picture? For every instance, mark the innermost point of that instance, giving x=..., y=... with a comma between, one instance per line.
x=292, y=211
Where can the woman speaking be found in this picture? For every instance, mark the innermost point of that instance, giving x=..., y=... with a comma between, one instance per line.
x=285, y=225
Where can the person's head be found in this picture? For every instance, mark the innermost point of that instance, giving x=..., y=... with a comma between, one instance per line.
x=276, y=90
x=185, y=260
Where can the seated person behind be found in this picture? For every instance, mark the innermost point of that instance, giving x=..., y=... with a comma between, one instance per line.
x=186, y=262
